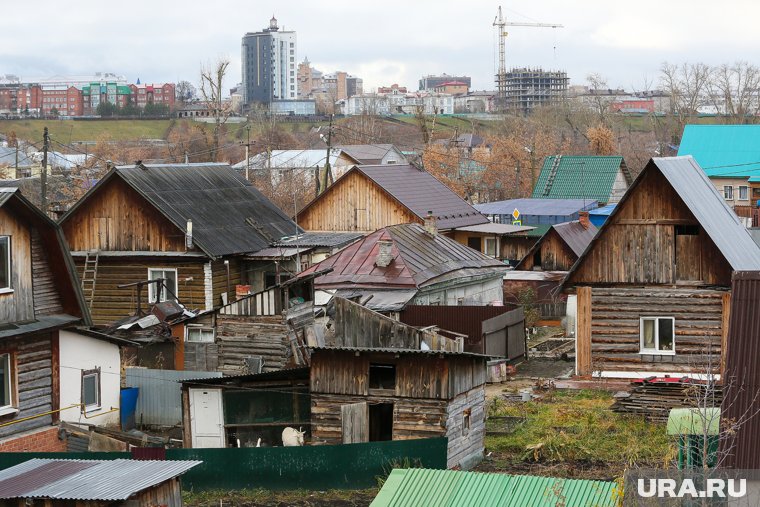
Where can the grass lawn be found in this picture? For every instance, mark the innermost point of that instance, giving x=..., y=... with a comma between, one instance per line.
x=66, y=131
x=265, y=498
x=574, y=433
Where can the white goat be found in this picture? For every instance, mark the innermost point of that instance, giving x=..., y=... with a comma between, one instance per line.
x=292, y=437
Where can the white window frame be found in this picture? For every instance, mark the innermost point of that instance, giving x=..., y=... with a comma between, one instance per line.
x=746, y=193
x=9, y=384
x=656, y=351
x=152, y=286
x=7, y=267
x=728, y=192
x=92, y=406
x=496, y=247
x=202, y=329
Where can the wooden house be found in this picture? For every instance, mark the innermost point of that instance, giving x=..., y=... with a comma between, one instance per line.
x=184, y=226
x=560, y=247
x=409, y=263
x=370, y=197
x=365, y=395
x=602, y=179
x=653, y=288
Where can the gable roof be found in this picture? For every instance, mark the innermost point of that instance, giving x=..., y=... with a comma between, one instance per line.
x=418, y=191
x=727, y=151
x=579, y=177
x=8, y=157
x=575, y=236
x=229, y=215
x=539, y=207
x=708, y=207
x=369, y=154
x=419, y=259
x=279, y=159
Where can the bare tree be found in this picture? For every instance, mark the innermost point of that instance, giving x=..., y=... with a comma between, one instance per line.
x=212, y=80
x=733, y=90
x=687, y=85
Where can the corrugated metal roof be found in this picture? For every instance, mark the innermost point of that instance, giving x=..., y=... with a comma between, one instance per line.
x=421, y=192
x=382, y=300
x=86, y=479
x=492, y=228
x=276, y=252
x=229, y=214
x=711, y=211
x=419, y=258
x=370, y=153
x=552, y=207
x=8, y=157
x=285, y=159
x=399, y=351
x=286, y=374
x=324, y=239
x=723, y=150
x=579, y=177
x=447, y=488
x=575, y=235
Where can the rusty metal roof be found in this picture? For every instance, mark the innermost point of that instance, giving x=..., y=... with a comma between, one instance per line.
x=575, y=235
x=385, y=350
x=86, y=479
x=419, y=259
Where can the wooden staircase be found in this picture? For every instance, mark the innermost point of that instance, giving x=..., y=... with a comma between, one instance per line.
x=89, y=276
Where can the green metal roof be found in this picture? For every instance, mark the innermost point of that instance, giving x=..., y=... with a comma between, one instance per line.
x=694, y=421
x=412, y=487
x=123, y=90
x=578, y=177
x=539, y=230
x=728, y=151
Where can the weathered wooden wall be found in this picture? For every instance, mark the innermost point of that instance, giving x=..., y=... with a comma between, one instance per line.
x=554, y=254
x=241, y=337
x=112, y=303
x=33, y=386
x=166, y=494
x=356, y=326
x=514, y=248
x=640, y=245
x=615, y=329
x=466, y=443
x=354, y=203
x=219, y=279
x=47, y=300
x=118, y=218
x=583, y=334
x=17, y=306
x=412, y=418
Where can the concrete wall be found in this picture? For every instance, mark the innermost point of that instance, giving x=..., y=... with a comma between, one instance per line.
x=77, y=353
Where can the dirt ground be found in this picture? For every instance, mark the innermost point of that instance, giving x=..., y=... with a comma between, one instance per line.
x=262, y=498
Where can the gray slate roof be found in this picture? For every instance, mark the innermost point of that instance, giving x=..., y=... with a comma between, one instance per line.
x=575, y=235
x=711, y=211
x=421, y=192
x=230, y=216
x=86, y=479
x=368, y=153
x=529, y=206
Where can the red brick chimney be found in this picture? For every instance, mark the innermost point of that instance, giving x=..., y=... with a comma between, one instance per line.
x=430, y=224
x=583, y=219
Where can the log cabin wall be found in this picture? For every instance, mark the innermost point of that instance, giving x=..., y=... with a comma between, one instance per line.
x=553, y=253
x=111, y=303
x=615, y=329
x=354, y=203
x=117, y=218
x=466, y=426
x=653, y=240
x=17, y=305
x=241, y=337
x=219, y=279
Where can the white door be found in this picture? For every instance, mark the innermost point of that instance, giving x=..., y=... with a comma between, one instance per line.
x=206, y=417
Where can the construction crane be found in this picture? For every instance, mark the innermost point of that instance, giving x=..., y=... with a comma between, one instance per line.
x=501, y=75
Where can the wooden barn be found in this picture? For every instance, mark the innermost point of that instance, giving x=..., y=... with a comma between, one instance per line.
x=186, y=224
x=370, y=197
x=366, y=395
x=560, y=247
x=653, y=288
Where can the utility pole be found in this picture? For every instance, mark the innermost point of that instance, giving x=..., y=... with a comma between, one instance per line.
x=328, y=171
x=43, y=174
x=247, y=154
x=16, y=159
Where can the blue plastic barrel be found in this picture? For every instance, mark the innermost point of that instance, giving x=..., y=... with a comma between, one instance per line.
x=128, y=403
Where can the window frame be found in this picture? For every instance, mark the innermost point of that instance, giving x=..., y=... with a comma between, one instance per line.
x=152, y=286
x=746, y=193
x=656, y=351
x=11, y=383
x=728, y=192
x=8, y=264
x=95, y=372
x=200, y=328
x=496, y=245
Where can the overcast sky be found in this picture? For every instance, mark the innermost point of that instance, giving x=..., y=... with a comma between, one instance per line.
x=383, y=42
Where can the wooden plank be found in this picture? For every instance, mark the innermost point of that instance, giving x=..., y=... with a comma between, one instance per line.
x=583, y=336
x=726, y=315
x=355, y=423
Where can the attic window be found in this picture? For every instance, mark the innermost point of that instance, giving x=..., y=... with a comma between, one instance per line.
x=5, y=263
x=382, y=376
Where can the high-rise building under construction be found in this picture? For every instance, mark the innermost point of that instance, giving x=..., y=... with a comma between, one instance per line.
x=526, y=89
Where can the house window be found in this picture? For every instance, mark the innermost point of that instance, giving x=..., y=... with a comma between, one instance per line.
x=6, y=378
x=743, y=193
x=466, y=421
x=167, y=290
x=91, y=389
x=5, y=263
x=199, y=334
x=492, y=247
x=658, y=335
x=728, y=192
x=382, y=376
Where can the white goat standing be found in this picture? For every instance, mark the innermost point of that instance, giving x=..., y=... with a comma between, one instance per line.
x=292, y=437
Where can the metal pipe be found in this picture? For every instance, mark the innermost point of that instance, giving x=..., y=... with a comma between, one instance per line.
x=39, y=415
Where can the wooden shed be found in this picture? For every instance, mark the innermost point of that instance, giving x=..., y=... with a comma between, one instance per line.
x=653, y=288
x=365, y=395
x=560, y=247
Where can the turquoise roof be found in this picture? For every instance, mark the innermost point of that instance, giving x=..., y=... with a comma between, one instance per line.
x=412, y=487
x=728, y=151
x=579, y=177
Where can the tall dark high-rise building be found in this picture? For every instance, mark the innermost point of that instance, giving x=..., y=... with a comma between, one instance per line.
x=269, y=65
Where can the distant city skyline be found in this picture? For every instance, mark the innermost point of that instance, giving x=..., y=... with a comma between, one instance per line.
x=383, y=43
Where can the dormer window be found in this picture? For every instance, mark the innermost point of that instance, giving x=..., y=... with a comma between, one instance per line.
x=5, y=263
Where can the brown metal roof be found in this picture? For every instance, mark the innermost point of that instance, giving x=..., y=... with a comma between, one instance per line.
x=420, y=192
x=575, y=235
x=419, y=259
x=368, y=153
